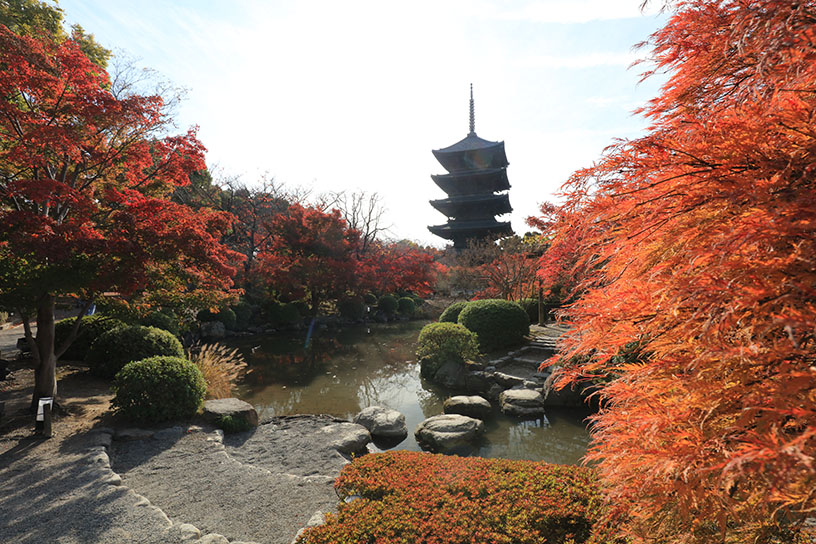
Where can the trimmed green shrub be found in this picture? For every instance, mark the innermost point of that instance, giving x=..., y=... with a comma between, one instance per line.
x=370, y=299
x=451, y=313
x=418, y=301
x=406, y=496
x=352, y=308
x=224, y=315
x=440, y=343
x=530, y=307
x=279, y=315
x=228, y=318
x=90, y=328
x=230, y=424
x=162, y=320
x=158, y=389
x=387, y=304
x=118, y=347
x=243, y=314
x=498, y=323
x=406, y=306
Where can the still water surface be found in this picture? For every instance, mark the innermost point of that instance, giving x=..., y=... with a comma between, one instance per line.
x=343, y=372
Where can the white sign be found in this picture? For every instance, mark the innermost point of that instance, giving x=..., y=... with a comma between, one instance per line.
x=43, y=401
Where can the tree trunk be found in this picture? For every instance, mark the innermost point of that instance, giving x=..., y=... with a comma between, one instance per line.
x=45, y=373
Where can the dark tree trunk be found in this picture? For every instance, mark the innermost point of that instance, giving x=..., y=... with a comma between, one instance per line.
x=45, y=360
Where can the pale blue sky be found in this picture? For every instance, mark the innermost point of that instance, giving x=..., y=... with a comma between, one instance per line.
x=354, y=95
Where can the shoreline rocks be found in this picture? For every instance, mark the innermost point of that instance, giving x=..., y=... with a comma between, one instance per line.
x=232, y=407
x=525, y=403
x=448, y=431
x=472, y=406
x=382, y=422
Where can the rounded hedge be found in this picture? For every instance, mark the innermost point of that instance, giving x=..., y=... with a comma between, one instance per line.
x=352, y=308
x=243, y=314
x=530, y=307
x=224, y=315
x=388, y=304
x=278, y=314
x=451, y=313
x=370, y=299
x=158, y=389
x=90, y=328
x=440, y=343
x=497, y=323
x=118, y=347
x=162, y=320
x=406, y=306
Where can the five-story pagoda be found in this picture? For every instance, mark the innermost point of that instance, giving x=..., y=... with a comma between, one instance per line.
x=476, y=185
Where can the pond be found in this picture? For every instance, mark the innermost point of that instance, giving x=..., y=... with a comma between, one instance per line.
x=343, y=372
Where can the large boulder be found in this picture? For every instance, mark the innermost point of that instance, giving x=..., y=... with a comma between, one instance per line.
x=527, y=403
x=447, y=431
x=472, y=406
x=348, y=438
x=382, y=422
x=237, y=409
x=213, y=330
x=452, y=375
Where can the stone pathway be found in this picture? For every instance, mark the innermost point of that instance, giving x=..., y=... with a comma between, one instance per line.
x=174, y=485
x=261, y=486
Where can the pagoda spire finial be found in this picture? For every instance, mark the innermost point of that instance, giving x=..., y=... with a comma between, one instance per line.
x=472, y=112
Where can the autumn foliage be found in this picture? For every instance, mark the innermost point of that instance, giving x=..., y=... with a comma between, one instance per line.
x=699, y=239
x=85, y=170
x=403, y=497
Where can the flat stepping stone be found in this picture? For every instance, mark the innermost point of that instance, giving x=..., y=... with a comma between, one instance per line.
x=522, y=403
x=234, y=408
x=472, y=406
x=348, y=438
x=382, y=422
x=448, y=431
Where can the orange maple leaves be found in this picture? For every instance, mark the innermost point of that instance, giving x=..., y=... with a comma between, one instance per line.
x=701, y=237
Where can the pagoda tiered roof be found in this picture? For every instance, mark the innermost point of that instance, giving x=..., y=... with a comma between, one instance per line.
x=471, y=229
x=468, y=182
x=476, y=179
x=474, y=205
x=472, y=153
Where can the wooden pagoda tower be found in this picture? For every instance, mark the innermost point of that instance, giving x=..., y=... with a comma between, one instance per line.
x=476, y=185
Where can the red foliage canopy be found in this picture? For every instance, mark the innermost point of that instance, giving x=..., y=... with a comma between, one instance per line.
x=84, y=176
x=701, y=240
x=310, y=254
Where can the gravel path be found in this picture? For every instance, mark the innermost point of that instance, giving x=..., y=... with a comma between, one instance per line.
x=66, y=493
x=263, y=486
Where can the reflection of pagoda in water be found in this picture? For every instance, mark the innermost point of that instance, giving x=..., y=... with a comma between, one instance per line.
x=476, y=185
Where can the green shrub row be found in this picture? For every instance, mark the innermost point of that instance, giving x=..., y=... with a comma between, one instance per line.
x=118, y=347
x=91, y=327
x=440, y=343
x=497, y=323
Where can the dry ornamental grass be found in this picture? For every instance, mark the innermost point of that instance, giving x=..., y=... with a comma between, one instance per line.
x=221, y=367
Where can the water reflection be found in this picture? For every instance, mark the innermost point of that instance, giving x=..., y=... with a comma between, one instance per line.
x=343, y=373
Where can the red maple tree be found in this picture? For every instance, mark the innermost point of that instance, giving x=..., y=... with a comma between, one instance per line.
x=390, y=267
x=699, y=240
x=84, y=180
x=310, y=254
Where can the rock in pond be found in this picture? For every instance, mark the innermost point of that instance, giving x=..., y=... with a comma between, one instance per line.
x=447, y=431
x=382, y=422
x=213, y=330
x=235, y=408
x=522, y=403
x=348, y=438
x=471, y=406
